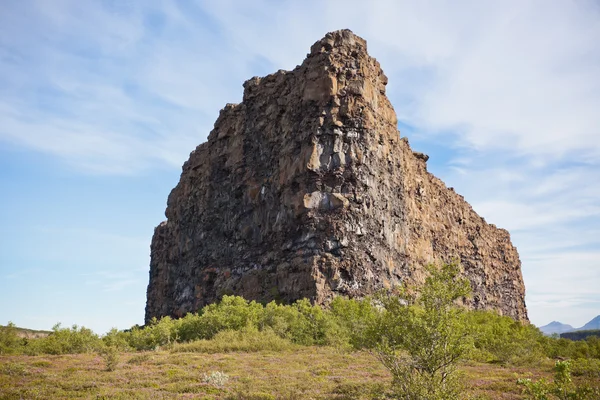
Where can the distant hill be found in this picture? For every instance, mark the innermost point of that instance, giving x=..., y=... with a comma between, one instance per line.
x=556, y=327
x=560, y=328
x=593, y=324
x=29, y=333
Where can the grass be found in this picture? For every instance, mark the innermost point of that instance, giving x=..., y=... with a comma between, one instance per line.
x=292, y=373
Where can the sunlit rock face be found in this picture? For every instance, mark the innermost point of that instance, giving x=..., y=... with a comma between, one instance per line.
x=307, y=189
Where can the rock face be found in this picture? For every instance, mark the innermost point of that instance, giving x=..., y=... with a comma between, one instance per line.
x=306, y=189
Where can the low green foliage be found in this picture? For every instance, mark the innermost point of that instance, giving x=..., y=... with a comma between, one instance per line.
x=419, y=334
x=562, y=388
x=422, y=337
x=501, y=339
x=117, y=339
x=246, y=340
x=13, y=369
x=110, y=354
x=139, y=359
x=215, y=378
x=72, y=340
x=244, y=395
x=565, y=348
x=586, y=367
x=355, y=319
x=10, y=342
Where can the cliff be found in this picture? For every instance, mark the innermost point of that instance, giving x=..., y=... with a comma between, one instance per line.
x=306, y=189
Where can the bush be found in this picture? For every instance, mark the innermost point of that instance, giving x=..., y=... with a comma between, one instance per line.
x=110, y=354
x=158, y=333
x=504, y=340
x=10, y=342
x=355, y=319
x=421, y=338
x=215, y=378
x=301, y=323
x=72, y=340
x=585, y=367
x=117, y=339
x=311, y=325
x=561, y=388
x=566, y=348
x=13, y=369
x=191, y=327
x=232, y=313
x=246, y=340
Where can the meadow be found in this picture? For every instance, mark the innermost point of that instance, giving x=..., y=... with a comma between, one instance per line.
x=303, y=372
x=399, y=345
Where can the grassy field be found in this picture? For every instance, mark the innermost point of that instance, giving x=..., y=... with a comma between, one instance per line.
x=300, y=373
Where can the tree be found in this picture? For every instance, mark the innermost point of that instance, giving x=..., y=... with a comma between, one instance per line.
x=10, y=342
x=421, y=335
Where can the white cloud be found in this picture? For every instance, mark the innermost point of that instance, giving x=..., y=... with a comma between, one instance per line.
x=104, y=91
x=553, y=216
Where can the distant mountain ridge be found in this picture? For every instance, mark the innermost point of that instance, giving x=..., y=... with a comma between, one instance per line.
x=593, y=324
x=28, y=333
x=558, y=327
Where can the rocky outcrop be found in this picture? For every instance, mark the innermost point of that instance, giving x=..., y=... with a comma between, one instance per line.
x=306, y=189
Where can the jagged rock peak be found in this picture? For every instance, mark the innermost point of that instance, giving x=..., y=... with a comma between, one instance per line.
x=305, y=189
x=342, y=41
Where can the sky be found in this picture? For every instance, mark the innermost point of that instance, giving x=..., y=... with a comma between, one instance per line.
x=101, y=102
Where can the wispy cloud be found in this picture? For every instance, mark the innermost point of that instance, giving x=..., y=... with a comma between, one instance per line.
x=516, y=76
x=108, y=89
x=553, y=214
x=124, y=86
x=110, y=280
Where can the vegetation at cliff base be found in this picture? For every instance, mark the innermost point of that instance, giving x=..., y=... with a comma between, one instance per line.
x=417, y=343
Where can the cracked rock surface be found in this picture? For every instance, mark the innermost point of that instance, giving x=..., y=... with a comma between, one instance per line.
x=306, y=189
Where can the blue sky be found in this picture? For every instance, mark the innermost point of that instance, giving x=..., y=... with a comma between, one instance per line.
x=102, y=101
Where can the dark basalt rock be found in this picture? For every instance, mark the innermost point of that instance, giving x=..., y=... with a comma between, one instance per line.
x=305, y=189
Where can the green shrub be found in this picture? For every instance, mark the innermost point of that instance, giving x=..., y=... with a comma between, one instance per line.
x=586, y=367
x=158, y=333
x=191, y=327
x=117, y=339
x=566, y=348
x=311, y=325
x=246, y=340
x=13, y=369
x=356, y=318
x=72, y=340
x=10, y=342
x=301, y=323
x=280, y=319
x=562, y=388
x=231, y=313
x=502, y=339
x=110, y=354
x=215, y=378
x=422, y=337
